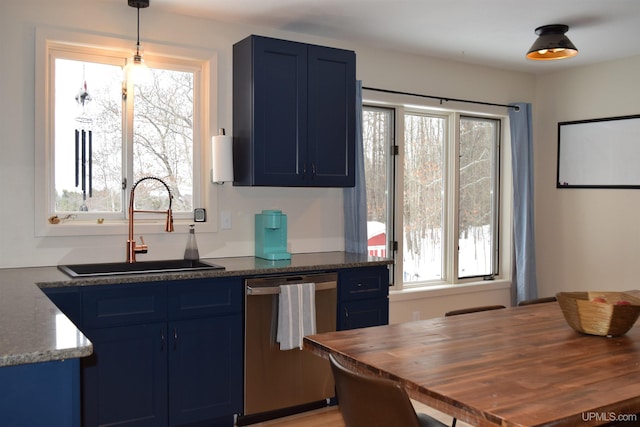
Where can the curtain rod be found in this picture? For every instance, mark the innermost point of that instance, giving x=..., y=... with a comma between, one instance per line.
x=515, y=107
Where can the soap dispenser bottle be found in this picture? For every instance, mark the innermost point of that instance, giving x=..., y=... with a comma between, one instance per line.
x=191, y=251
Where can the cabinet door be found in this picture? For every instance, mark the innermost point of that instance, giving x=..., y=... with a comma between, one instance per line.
x=270, y=112
x=331, y=124
x=125, y=380
x=362, y=314
x=205, y=369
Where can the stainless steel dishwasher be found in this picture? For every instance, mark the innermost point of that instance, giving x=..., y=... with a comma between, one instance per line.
x=276, y=382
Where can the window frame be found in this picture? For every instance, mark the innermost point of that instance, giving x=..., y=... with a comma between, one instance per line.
x=504, y=219
x=448, y=227
x=391, y=170
x=201, y=62
x=496, y=201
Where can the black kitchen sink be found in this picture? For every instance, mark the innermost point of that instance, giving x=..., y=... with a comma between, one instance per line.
x=139, y=267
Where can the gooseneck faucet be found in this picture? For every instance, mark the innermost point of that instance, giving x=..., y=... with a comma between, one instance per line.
x=132, y=248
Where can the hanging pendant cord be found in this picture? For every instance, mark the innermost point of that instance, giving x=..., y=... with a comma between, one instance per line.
x=138, y=38
x=441, y=99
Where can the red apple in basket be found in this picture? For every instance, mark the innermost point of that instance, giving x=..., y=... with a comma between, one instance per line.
x=598, y=299
x=623, y=302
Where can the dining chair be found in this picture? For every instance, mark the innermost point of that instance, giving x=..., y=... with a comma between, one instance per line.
x=365, y=400
x=537, y=301
x=473, y=310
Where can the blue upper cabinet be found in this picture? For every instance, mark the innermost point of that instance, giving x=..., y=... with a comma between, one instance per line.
x=293, y=114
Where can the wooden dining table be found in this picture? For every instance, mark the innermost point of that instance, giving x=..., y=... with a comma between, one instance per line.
x=520, y=366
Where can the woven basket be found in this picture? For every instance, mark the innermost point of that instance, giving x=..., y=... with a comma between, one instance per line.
x=599, y=318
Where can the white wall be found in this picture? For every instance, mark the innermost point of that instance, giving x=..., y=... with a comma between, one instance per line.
x=586, y=239
x=315, y=222
x=410, y=305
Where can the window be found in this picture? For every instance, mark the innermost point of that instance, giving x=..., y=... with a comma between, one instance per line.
x=110, y=139
x=378, y=130
x=101, y=135
x=478, y=196
x=423, y=207
x=88, y=139
x=444, y=197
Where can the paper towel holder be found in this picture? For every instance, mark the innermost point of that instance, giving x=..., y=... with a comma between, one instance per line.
x=221, y=158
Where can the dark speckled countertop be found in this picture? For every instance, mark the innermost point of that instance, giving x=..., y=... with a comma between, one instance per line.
x=34, y=330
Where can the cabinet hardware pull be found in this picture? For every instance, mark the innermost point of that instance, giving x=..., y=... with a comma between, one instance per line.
x=274, y=290
x=346, y=312
x=313, y=169
x=175, y=339
x=161, y=340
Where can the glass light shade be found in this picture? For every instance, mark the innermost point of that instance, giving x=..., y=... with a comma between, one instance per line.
x=552, y=44
x=136, y=70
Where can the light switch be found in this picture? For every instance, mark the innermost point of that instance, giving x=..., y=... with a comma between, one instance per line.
x=225, y=220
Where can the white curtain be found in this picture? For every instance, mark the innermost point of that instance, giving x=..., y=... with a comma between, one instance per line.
x=355, y=198
x=524, y=275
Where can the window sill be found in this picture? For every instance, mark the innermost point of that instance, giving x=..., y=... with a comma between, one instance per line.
x=70, y=228
x=447, y=289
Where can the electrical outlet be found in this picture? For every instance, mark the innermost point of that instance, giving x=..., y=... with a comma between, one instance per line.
x=225, y=220
x=415, y=315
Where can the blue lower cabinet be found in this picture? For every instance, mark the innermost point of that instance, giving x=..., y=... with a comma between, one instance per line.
x=205, y=370
x=165, y=354
x=125, y=380
x=363, y=297
x=41, y=394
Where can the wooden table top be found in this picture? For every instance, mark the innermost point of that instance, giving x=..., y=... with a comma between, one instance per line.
x=521, y=366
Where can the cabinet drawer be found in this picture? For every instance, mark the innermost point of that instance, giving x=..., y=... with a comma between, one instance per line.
x=363, y=283
x=205, y=297
x=363, y=314
x=124, y=304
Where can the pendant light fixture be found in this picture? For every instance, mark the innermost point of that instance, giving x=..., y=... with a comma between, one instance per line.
x=552, y=44
x=136, y=70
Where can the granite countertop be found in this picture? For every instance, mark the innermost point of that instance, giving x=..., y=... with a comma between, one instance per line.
x=34, y=330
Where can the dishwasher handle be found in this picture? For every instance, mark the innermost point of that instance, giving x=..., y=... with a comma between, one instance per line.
x=275, y=290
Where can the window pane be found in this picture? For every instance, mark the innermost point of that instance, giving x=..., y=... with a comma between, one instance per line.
x=478, y=183
x=163, y=135
x=423, y=197
x=88, y=136
x=377, y=129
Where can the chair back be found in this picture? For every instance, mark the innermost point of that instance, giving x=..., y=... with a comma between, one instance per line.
x=537, y=301
x=474, y=310
x=371, y=401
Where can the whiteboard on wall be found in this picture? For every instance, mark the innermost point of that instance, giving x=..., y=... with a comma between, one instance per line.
x=599, y=153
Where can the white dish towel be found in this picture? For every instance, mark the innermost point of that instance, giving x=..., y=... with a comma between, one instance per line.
x=296, y=314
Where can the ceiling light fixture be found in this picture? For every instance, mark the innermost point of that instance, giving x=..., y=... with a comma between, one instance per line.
x=552, y=44
x=136, y=69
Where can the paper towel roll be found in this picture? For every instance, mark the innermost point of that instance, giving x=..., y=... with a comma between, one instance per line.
x=221, y=158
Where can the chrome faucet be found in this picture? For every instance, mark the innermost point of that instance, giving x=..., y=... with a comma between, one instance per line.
x=132, y=248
